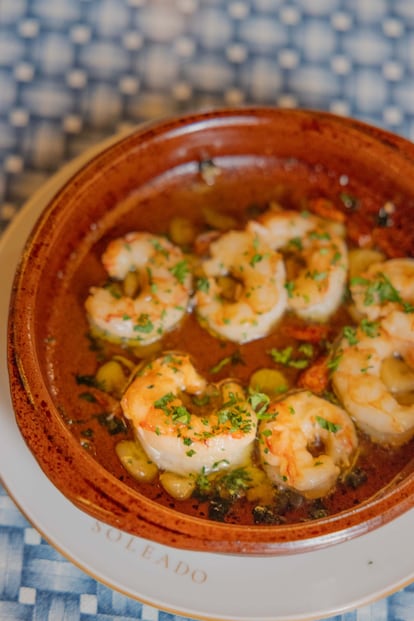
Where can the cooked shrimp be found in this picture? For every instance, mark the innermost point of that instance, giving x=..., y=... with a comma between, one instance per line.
x=318, y=256
x=306, y=443
x=163, y=296
x=317, y=290
x=383, y=287
x=258, y=297
x=359, y=383
x=181, y=441
x=400, y=327
x=278, y=227
x=281, y=227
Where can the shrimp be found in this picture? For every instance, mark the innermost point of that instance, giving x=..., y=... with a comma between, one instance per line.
x=384, y=286
x=400, y=327
x=317, y=290
x=360, y=383
x=306, y=443
x=281, y=227
x=317, y=256
x=178, y=440
x=259, y=297
x=278, y=227
x=163, y=297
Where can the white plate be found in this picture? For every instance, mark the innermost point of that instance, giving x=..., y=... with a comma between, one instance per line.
x=199, y=585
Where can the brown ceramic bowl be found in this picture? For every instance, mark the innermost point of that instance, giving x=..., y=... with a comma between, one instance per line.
x=139, y=183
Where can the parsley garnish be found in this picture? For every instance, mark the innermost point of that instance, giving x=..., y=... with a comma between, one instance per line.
x=233, y=359
x=160, y=248
x=259, y=402
x=317, y=276
x=287, y=355
x=289, y=286
x=144, y=324
x=163, y=402
x=350, y=334
x=180, y=270
x=407, y=307
x=327, y=424
x=296, y=242
x=114, y=289
x=201, y=400
x=381, y=290
x=180, y=414
x=282, y=356
x=333, y=363
x=203, y=284
x=232, y=412
x=370, y=328
x=319, y=235
x=233, y=483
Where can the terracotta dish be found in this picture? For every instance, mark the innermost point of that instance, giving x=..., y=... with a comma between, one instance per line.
x=238, y=159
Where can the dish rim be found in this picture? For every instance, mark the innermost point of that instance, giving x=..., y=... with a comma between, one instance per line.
x=242, y=539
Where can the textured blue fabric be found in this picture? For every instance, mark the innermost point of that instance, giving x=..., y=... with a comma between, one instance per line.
x=38, y=584
x=73, y=72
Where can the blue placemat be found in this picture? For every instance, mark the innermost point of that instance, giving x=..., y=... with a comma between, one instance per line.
x=75, y=71
x=39, y=584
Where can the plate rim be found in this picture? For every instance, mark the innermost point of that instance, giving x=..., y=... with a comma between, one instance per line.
x=37, y=201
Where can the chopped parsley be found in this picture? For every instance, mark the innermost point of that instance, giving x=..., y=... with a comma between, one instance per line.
x=317, y=276
x=201, y=400
x=164, y=401
x=327, y=424
x=333, y=363
x=160, y=248
x=370, y=328
x=114, y=289
x=180, y=415
x=233, y=359
x=322, y=235
x=233, y=483
x=203, y=284
x=350, y=333
x=259, y=402
x=282, y=356
x=381, y=290
x=288, y=356
x=180, y=271
x=256, y=258
x=296, y=243
x=290, y=287
x=234, y=414
x=144, y=324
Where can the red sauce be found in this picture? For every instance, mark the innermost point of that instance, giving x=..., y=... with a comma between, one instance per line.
x=71, y=354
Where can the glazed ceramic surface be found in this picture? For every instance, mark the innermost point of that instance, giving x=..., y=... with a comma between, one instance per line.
x=199, y=585
x=135, y=180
